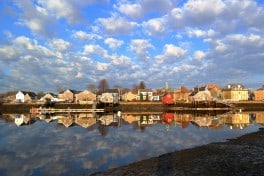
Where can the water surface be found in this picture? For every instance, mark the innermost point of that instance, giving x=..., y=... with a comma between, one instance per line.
x=44, y=146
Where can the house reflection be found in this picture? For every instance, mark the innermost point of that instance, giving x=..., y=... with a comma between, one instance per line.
x=103, y=121
x=21, y=119
x=237, y=120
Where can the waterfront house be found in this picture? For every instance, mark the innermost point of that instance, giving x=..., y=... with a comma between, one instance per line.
x=49, y=96
x=68, y=95
x=129, y=96
x=145, y=95
x=181, y=94
x=259, y=94
x=200, y=94
x=168, y=98
x=110, y=96
x=85, y=97
x=25, y=96
x=235, y=92
x=215, y=91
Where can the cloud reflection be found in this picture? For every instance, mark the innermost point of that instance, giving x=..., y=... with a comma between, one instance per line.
x=51, y=149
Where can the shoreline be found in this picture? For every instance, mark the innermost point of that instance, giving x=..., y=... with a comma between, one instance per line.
x=238, y=156
x=140, y=106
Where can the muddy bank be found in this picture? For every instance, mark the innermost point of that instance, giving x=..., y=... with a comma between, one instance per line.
x=137, y=106
x=240, y=156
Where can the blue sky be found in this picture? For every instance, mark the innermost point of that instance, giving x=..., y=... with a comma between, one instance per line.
x=46, y=44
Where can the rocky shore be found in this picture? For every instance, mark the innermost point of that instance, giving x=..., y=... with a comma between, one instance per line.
x=240, y=156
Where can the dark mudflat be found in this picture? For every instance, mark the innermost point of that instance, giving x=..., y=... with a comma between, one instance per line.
x=240, y=156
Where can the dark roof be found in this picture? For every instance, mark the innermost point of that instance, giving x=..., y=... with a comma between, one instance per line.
x=112, y=90
x=144, y=90
x=31, y=94
x=73, y=91
x=262, y=88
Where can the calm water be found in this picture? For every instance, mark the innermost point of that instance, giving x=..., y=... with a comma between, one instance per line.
x=45, y=146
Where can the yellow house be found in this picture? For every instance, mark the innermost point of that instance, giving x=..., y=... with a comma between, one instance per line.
x=235, y=92
x=259, y=94
x=129, y=96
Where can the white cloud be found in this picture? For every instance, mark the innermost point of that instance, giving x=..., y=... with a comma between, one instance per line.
x=141, y=8
x=141, y=47
x=8, y=52
x=82, y=35
x=95, y=49
x=170, y=54
x=200, y=12
x=155, y=27
x=62, y=9
x=60, y=44
x=117, y=25
x=102, y=66
x=200, y=33
x=131, y=10
x=199, y=55
x=113, y=43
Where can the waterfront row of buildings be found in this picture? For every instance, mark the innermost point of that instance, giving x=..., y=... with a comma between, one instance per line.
x=232, y=92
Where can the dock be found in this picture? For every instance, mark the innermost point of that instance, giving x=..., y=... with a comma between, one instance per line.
x=68, y=110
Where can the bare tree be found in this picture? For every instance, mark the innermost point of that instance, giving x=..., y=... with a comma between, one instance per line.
x=92, y=88
x=103, y=85
x=135, y=87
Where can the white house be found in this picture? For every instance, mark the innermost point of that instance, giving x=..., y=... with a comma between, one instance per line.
x=23, y=96
x=145, y=94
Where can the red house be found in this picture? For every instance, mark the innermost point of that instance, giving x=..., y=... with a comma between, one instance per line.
x=168, y=98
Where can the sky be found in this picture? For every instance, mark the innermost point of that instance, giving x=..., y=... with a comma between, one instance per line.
x=50, y=44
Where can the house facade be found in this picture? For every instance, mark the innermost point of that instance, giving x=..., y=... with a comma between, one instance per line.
x=145, y=95
x=24, y=96
x=50, y=96
x=68, y=95
x=129, y=96
x=110, y=96
x=182, y=94
x=85, y=95
x=259, y=94
x=235, y=92
x=200, y=94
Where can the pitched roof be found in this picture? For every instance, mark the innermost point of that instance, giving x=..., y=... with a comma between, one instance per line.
x=211, y=86
x=112, y=91
x=184, y=89
x=31, y=94
x=262, y=88
x=144, y=90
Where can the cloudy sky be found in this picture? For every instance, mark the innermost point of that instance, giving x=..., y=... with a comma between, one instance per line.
x=46, y=44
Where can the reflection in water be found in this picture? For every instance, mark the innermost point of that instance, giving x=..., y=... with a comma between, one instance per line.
x=80, y=144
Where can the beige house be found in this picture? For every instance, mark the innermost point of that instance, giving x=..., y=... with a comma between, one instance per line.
x=259, y=94
x=182, y=94
x=235, y=92
x=68, y=95
x=129, y=96
x=50, y=96
x=200, y=94
x=85, y=96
